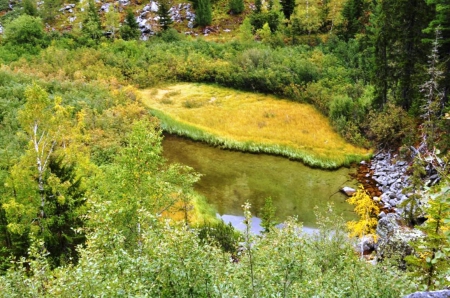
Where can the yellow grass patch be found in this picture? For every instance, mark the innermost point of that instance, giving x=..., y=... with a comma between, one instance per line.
x=248, y=117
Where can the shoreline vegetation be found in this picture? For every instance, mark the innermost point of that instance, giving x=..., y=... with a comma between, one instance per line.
x=250, y=122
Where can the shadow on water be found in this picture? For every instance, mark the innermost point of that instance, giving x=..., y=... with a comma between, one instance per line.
x=230, y=178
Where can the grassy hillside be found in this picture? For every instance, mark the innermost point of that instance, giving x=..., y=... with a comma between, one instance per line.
x=251, y=122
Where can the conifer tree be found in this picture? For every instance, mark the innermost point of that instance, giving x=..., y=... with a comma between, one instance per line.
x=92, y=26
x=352, y=14
x=164, y=17
x=130, y=28
x=288, y=8
x=236, y=6
x=203, y=15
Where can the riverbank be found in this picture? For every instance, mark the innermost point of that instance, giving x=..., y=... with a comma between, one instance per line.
x=252, y=123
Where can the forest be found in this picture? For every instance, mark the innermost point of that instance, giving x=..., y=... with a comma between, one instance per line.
x=89, y=207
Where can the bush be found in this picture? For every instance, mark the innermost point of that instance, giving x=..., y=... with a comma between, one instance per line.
x=25, y=31
x=236, y=6
x=224, y=235
x=4, y=5
x=391, y=126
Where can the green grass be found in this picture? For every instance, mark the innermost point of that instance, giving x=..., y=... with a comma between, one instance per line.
x=251, y=122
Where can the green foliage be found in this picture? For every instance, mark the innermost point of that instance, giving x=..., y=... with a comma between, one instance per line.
x=30, y=8
x=288, y=8
x=50, y=9
x=268, y=219
x=236, y=6
x=26, y=32
x=390, y=126
x=4, y=5
x=130, y=28
x=92, y=26
x=64, y=210
x=225, y=236
x=164, y=17
x=353, y=13
x=429, y=263
x=203, y=12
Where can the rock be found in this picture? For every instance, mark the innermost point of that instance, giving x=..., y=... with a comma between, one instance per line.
x=1, y=29
x=393, y=240
x=154, y=6
x=434, y=294
x=348, y=190
x=388, y=225
x=124, y=2
x=382, y=214
x=105, y=7
x=190, y=24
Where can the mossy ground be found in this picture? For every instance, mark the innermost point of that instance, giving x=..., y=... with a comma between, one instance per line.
x=251, y=122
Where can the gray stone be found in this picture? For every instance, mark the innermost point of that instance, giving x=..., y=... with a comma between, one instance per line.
x=346, y=190
x=154, y=6
x=382, y=214
x=434, y=294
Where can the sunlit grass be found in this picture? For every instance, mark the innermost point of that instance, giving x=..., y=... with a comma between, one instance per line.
x=251, y=122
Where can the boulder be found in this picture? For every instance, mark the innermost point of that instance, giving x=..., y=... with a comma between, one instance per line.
x=154, y=6
x=348, y=190
x=393, y=239
x=434, y=294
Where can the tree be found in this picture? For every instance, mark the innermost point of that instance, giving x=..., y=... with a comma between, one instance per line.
x=50, y=9
x=288, y=8
x=140, y=187
x=429, y=262
x=164, y=16
x=130, y=28
x=112, y=20
x=203, y=15
x=268, y=220
x=92, y=26
x=352, y=14
x=236, y=6
x=306, y=17
x=396, y=30
x=441, y=21
x=30, y=8
x=26, y=31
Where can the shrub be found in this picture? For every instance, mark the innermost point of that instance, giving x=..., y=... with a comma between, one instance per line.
x=26, y=31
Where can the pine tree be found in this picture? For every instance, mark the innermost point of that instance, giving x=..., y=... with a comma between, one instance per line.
x=130, y=28
x=441, y=21
x=236, y=6
x=63, y=210
x=396, y=30
x=164, y=17
x=203, y=15
x=429, y=263
x=352, y=14
x=92, y=26
x=288, y=8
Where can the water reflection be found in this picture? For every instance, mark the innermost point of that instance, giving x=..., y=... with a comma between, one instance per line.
x=230, y=178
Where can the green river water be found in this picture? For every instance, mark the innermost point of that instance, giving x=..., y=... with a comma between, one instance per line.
x=230, y=178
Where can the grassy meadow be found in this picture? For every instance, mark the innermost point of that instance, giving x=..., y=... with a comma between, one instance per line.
x=251, y=122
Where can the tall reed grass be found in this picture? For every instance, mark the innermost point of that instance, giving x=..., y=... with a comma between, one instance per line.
x=251, y=122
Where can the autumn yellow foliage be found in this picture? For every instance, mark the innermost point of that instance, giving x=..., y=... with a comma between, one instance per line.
x=367, y=211
x=256, y=118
